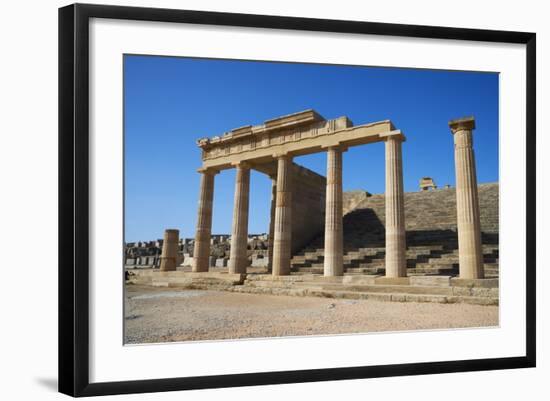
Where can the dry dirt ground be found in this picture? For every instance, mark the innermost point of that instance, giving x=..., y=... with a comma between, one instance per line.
x=168, y=314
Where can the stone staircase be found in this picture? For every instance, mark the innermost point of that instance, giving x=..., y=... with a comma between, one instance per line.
x=424, y=259
x=432, y=258
x=438, y=289
x=432, y=242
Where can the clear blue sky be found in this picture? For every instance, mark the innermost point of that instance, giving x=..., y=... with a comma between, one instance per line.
x=170, y=102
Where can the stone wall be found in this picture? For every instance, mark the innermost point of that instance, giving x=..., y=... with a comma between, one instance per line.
x=352, y=198
x=308, y=206
x=436, y=209
x=430, y=218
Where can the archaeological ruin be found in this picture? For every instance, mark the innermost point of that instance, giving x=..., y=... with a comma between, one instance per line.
x=435, y=245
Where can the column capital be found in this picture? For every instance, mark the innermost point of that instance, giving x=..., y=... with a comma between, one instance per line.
x=282, y=155
x=339, y=147
x=241, y=164
x=208, y=170
x=461, y=124
x=395, y=134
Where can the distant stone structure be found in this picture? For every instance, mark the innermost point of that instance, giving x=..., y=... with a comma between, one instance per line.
x=142, y=253
x=427, y=183
x=147, y=254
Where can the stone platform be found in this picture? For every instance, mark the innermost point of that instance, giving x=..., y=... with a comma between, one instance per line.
x=438, y=289
x=183, y=279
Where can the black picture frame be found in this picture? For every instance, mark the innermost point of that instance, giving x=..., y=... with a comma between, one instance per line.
x=74, y=198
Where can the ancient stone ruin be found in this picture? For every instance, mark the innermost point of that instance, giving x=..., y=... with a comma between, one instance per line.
x=147, y=254
x=427, y=183
x=330, y=241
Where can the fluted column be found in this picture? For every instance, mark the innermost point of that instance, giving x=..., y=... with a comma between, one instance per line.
x=201, y=250
x=169, y=250
x=396, y=262
x=271, y=224
x=283, y=215
x=467, y=204
x=238, y=260
x=334, y=233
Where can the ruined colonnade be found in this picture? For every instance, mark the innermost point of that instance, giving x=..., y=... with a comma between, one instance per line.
x=270, y=148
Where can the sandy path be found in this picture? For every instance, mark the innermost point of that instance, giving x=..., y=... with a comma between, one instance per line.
x=162, y=315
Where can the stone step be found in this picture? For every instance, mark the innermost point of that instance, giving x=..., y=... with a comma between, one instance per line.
x=425, y=247
x=366, y=270
x=443, y=261
x=433, y=251
x=379, y=267
x=433, y=271
x=304, y=259
x=414, y=285
x=377, y=296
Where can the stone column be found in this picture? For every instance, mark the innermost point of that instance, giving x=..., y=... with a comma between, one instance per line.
x=396, y=262
x=271, y=224
x=201, y=250
x=334, y=232
x=238, y=260
x=283, y=215
x=467, y=204
x=169, y=254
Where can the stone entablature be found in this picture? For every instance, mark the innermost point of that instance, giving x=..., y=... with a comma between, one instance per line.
x=300, y=133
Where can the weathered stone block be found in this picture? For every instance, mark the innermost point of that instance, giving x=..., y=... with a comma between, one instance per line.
x=392, y=280
x=485, y=292
x=380, y=296
x=483, y=283
x=462, y=291
x=439, y=281
x=360, y=279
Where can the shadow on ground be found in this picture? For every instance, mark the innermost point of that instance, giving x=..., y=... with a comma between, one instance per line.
x=49, y=383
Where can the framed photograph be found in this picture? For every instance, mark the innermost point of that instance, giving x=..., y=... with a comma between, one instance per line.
x=252, y=199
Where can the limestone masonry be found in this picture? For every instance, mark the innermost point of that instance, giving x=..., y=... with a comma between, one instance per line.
x=322, y=239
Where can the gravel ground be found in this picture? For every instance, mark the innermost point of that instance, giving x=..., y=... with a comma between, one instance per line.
x=163, y=315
